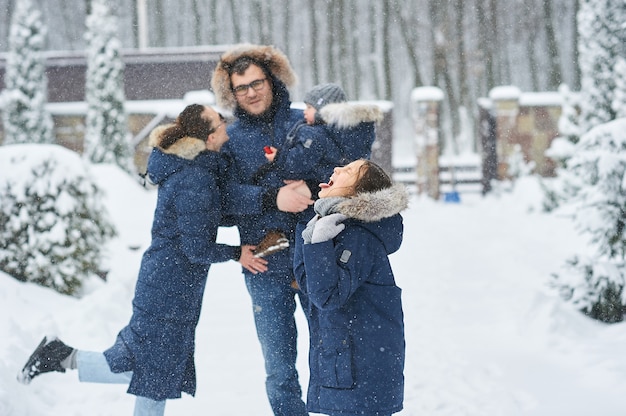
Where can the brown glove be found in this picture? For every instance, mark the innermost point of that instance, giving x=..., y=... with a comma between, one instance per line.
x=272, y=242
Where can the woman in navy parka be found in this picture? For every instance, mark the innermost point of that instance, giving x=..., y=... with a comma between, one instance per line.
x=154, y=353
x=357, y=348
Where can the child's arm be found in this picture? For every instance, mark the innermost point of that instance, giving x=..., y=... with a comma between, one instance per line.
x=304, y=155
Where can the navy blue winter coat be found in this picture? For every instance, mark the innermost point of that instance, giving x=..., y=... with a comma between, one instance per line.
x=158, y=343
x=244, y=150
x=357, y=348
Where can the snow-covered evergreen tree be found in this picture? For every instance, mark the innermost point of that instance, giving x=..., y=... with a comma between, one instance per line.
x=53, y=224
x=569, y=127
x=619, y=98
x=596, y=172
x=106, y=138
x=601, y=42
x=596, y=283
x=561, y=149
x=25, y=118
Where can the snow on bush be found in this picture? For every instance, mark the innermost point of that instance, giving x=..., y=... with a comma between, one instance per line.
x=596, y=284
x=53, y=225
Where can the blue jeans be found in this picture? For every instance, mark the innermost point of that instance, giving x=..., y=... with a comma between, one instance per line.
x=93, y=368
x=274, y=304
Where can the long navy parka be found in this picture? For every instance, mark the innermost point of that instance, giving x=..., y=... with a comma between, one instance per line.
x=158, y=343
x=357, y=349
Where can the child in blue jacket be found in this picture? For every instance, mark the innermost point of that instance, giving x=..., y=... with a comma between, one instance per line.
x=357, y=348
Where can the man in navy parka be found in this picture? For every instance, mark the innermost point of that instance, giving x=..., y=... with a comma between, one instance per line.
x=252, y=81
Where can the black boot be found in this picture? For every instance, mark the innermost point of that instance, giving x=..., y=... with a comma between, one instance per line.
x=47, y=357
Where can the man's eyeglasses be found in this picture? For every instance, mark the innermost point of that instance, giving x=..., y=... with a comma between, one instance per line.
x=256, y=85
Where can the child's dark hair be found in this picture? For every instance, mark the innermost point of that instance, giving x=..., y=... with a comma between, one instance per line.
x=189, y=123
x=371, y=178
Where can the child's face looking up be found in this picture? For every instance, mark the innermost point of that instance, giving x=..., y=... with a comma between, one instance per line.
x=343, y=180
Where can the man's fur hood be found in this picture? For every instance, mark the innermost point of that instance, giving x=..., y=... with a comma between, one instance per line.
x=374, y=206
x=347, y=114
x=276, y=61
x=186, y=147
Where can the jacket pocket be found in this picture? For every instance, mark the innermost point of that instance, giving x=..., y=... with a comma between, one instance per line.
x=335, y=358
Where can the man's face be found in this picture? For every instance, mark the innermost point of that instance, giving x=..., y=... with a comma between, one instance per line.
x=253, y=101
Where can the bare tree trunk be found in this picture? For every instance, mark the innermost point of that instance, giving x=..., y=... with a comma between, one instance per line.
x=387, y=50
x=331, y=64
x=409, y=36
x=463, y=87
x=576, y=84
x=234, y=9
x=343, y=55
x=213, y=25
x=287, y=26
x=485, y=44
x=493, y=41
x=441, y=68
x=355, y=50
x=159, y=23
x=373, y=25
x=315, y=62
x=267, y=17
x=197, y=23
x=135, y=20
x=532, y=61
x=554, y=78
x=531, y=31
x=257, y=11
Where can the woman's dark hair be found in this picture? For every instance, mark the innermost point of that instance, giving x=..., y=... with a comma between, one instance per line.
x=189, y=123
x=371, y=178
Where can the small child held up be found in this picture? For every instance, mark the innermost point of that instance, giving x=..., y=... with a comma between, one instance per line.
x=334, y=132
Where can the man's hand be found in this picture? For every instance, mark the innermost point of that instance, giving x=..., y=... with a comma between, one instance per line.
x=251, y=262
x=294, y=197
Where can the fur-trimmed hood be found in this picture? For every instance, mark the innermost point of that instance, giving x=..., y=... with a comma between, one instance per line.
x=347, y=114
x=276, y=61
x=186, y=147
x=187, y=154
x=375, y=206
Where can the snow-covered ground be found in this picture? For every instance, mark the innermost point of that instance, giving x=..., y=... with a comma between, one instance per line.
x=484, y=334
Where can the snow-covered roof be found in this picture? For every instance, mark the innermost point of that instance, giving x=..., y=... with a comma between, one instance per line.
x=427, y=94
x=505, y=92
x=536, y=99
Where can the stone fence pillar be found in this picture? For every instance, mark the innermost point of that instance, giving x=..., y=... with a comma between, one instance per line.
x=425, y=114
x=506, y=107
